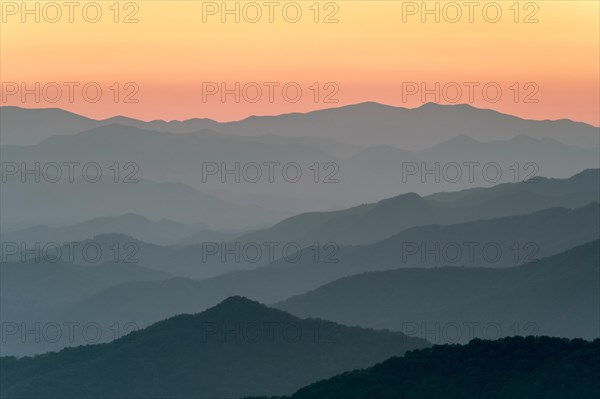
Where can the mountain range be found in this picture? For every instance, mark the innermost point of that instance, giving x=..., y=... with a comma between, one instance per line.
x=26, y=205
x=363, y=251
x=510, y=368
x=33, y=291
x=412, y=129
x=391, y=226
x=369, y=223
x=479, y=291
x=163, y=231
x=237, y=348
x=556, y=296
x=289, y=171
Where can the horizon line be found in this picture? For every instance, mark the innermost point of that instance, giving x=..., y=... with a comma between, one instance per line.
x=303, y=113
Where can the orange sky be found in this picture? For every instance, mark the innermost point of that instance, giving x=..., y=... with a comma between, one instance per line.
x=376, y=51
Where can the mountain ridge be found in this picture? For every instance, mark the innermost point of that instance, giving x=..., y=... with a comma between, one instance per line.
x=253, y=125
x=215, y=352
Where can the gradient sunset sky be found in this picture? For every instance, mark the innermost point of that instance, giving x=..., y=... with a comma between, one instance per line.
x=367, y=54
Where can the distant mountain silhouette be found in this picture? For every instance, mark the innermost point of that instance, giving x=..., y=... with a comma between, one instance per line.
x=412, y=129
x=499, y=161
x=532, y=367
x=331, y=173
x=587, y=181
x=369, y=223
x=495, y=242
x=23, y=126
x=556, y=296
x=188, y=159
x=157, y=232
x=236, y=348
x=197, y=260
x=64, y=202
x=517, y=239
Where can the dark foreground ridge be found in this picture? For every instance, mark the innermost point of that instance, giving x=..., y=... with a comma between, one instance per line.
x=237, y=348
x=510, y=368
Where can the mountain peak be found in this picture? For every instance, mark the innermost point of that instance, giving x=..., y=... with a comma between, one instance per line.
x=587, y=173
x=433, y=105
x=411, y=197
x=238, y=301
x=411, y=202
x=430, y=105
x=239, y=307
x=226, y=355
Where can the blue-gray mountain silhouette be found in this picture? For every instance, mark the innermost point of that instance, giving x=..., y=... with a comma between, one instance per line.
x=236, y=348
x=412, y=129
x=555, y=296
x=532, y=367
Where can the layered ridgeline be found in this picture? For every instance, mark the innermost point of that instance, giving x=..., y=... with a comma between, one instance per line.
x=494, y=243
x=490, y=243
x=309, y=170
x=414, y=128
x=33, y=203
x=163, y=232
x=35, y=288
x=364, y=224
x=234, y=349
x=555, y=296
x=373, y=222
x=33, y=292
x=510, y=368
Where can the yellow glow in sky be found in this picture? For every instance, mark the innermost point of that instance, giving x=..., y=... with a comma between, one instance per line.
x=173, y=59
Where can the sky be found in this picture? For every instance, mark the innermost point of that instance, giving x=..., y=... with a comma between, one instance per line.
x=229, y=60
